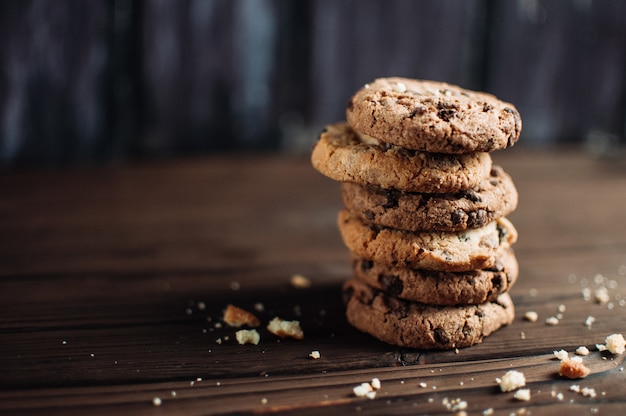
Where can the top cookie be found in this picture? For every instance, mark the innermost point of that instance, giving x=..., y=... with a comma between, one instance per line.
x=433, y=116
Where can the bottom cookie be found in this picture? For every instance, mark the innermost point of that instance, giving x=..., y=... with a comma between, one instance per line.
x=416, y=325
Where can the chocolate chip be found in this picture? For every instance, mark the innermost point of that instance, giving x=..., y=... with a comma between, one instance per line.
x=392, y=196
x=468, y=194
x=457, y=216
x=391, y=284
x=487, y=107
x=366, y=265
x=351, y=105
x=477, y=218
x=369, y=215
x=441, y=336
x=446, y=114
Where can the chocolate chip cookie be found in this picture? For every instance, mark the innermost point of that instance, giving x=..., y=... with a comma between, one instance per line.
x=343, y=155
x=440, y=288
x=416, y=325
x=472, y=249
x=433, y=116
x=494, y=197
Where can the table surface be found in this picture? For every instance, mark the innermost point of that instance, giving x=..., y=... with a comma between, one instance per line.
x=113, y=281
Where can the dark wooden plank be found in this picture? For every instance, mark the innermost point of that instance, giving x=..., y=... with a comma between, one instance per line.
x=103, y=273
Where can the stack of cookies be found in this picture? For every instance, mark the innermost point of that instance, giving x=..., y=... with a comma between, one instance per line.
x=425, y=210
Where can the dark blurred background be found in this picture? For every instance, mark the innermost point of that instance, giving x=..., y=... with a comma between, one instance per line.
x=101, y=81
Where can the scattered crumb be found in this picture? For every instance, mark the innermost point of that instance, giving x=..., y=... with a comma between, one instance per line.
x=218, y=341
x=248, y=336
x=561, y=355
x=589, y=321
x=236, y=317
x=575, y=388
x=201, y=306
x=522, y=335
x=560, y=396
x=259, y=307
x=582, y=350
x=370, y=395
x=602, y=295
x=362, y=389
x=235, y=286
x=588, y=392
x=553, y=320
x=614, y=343
x=285, y=329
x=561, y=308
x=299, y=281
x=522, y=394
x=454, y=405
x=512, y=380
x=315, y=355
x=423, y=385
x=573, y=369
x=157, y=401
x=488, y=412
x=173, y=393
x=375, y=383
x=531, y=316
x=263, y=400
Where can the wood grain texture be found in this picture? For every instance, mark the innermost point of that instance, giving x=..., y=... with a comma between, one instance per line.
x=113, y=281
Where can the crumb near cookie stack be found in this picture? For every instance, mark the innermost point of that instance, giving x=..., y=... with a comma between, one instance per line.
x=425, y=211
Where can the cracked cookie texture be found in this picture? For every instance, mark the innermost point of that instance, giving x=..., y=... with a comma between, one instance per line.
x=495, y=197
x=345, y=156
x=417, y=325
x=472, y=249
x=438, y=287
x=433, y=116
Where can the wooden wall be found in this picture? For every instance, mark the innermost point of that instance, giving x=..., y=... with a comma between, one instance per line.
x=97, y=81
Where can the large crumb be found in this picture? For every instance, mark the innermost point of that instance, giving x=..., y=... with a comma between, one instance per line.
x=248, y=336
x=285, y=329
x=573, y=369
x=512, y=380
x=236, y=317
x=531, y=316
x=522, y=394
x=614, y=343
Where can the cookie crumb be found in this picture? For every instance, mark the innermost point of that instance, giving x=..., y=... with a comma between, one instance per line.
x=553, y=320
x=531, y=316
x=589, y=321
x=423, y=385
x=614, y=343
x=157, y=401
x=315, y=355
x=573, y=369
x=488, y=412
x=561, y=355
x=248, y=336
x=237, y=317
x=299, y=281
x=522, y=394
x=285, y=329
x=582, y=350
x=602, y=295
x=375, y=383
x=512, y=380
x=362, y=389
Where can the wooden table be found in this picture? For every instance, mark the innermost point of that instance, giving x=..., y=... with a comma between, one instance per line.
x=113, y=281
